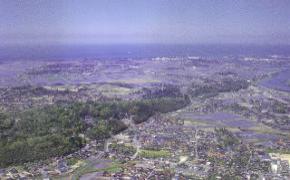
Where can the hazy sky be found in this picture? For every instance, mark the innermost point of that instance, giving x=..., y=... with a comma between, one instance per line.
x=144, y=21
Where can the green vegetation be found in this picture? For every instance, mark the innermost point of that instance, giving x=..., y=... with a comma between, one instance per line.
x=279, y=151
x=30, y=149
x=84, y=169
x=279, y=107
x=56, y=130
x=72, y=161
x=142, y=110
x=89, y=168
x=212, y=88
x=154, y=153
x=226, y=138
x=114, y=167
x=123, y=149
x=5, y=123
x=167, y=90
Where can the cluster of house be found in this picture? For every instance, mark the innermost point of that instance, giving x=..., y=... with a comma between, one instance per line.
x=198, y=153
x=192, y=153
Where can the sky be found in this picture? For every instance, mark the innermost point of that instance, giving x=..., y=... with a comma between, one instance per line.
x=144, y=21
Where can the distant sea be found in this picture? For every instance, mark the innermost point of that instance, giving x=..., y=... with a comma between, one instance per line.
x=64, y=52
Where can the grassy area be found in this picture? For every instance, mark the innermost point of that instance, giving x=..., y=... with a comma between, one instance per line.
x=114, y=167
x=277, y=151
x=154, y=153
x=88, y=167
x=72, y=161
x=110, y=90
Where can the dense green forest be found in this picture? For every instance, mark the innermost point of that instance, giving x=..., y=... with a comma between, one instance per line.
x=212, y=88
x=57, y=130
